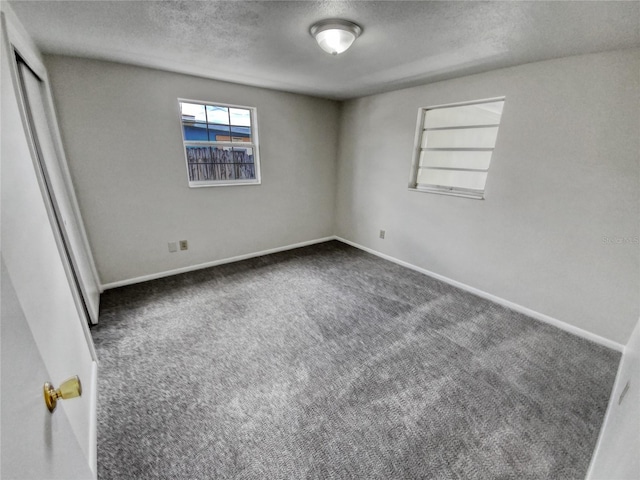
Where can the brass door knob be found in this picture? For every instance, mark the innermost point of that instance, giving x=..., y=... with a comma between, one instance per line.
x=70, y=388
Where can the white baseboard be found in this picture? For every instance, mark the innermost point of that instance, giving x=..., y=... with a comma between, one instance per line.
x=191, y=268
x=501, y=301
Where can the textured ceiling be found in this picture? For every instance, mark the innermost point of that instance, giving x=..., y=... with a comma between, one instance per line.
x=267, y=43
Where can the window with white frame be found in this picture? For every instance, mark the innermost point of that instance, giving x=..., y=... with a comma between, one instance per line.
x=220, y=144
x=454, y=146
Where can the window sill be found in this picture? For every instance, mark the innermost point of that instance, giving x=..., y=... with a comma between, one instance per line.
x=453, y=193
x=223, y=183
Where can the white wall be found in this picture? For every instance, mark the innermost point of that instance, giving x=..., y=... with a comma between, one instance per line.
x=616, y=455
x=121, y=131
x=563, y=177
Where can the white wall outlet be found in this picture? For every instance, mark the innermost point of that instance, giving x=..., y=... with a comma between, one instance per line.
x=183, y=245
x=173, y=247
x=382, y=234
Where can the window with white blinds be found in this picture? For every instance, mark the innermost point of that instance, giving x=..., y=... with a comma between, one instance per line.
x=454, y=145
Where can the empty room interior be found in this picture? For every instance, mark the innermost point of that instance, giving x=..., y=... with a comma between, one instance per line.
x=320, y=239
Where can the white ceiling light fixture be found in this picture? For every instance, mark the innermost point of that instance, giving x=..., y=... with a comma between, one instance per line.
x=334, y=35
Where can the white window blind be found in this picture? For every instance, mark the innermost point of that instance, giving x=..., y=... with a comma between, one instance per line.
x=454, y=146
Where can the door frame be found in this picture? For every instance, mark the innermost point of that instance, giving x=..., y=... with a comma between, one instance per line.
x=48, y=190
x=18, y=41
x=21, y=45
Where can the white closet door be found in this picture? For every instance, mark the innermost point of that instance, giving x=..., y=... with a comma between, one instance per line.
x=69, y=224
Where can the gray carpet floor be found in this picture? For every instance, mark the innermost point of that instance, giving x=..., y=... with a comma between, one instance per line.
x=326, y=362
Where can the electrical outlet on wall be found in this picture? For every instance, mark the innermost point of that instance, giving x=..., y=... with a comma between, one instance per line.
x=173, y=247
x=184, y=245
x=382, y=234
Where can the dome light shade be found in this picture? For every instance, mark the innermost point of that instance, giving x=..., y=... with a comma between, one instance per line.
x=335, y=36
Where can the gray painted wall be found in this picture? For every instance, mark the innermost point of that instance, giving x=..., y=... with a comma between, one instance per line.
x=121, y=131
x=562, y=189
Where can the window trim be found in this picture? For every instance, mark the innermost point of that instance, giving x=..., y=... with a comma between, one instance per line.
x=415, y=164
x=254, y=144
